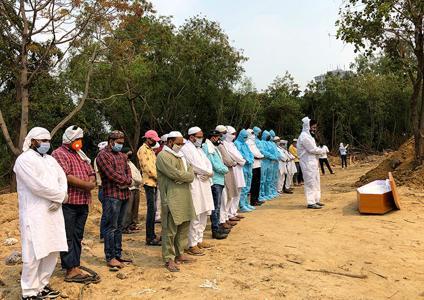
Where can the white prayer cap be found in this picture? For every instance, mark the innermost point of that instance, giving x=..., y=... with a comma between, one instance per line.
x=102, y=145
x=276, y=138
x=71, y=134
x=164, y=138
x=294, y=140
x=174, y=134
x=230, y=129
x=221, y=128
x=194, y=130
x=36, y=133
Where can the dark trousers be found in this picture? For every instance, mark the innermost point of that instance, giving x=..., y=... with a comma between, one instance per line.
x=216, y=194
x=298, y=176
x=131, y=213
x=114, y=210
x=103, y=218
x=323, y=161
x=75, y=217
x=151, y=193
x=344, y=160
x=256, y=186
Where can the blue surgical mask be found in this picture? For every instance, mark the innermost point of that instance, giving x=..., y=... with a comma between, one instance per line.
x=43, y=148
x=117, y=147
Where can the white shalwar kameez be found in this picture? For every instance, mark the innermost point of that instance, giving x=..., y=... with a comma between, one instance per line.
x=200, y=190
x=40, y=182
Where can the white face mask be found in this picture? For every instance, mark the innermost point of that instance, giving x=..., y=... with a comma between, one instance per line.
x=198, y=142
x=229, y=137
x=176, y=148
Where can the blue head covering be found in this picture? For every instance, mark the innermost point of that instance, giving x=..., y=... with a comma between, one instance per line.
x=272, y=133
x=241, y=145
x=265, y=135
x=257, y=130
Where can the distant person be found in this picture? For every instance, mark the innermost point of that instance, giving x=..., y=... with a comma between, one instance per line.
x=81, y=180
x=253, y=142
x=42, y=188
x=100, y=146
x=147, y=160
x=130, y=221
x=174, y=178
x=323, y=159
x=116, y=178
x=343, y=154
x=298, y=177
x=308, y=156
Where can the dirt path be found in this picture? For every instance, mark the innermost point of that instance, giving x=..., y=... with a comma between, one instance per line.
x=269, y=254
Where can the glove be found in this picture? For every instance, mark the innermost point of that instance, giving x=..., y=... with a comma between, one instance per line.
x=54, y=206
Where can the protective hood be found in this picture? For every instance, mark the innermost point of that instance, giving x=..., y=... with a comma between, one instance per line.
x=257, y=130
x=272, y=133
x=251, y=135
x=242, y=137
x=341, y=145
x=306, y=125
x=265, y=135
x=229, y=137
x=241, y=145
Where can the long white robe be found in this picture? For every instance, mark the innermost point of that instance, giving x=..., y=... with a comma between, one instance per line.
x=200, y=190
x=237, y=170
x=40, y=181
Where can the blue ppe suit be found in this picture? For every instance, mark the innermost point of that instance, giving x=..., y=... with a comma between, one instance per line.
x=241, y=146
x=274, y=164
x=266, y=177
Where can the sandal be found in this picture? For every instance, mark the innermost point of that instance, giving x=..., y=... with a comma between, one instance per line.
x=184, y=260
x=173, y=268
x=95, y=278
x=79, y=278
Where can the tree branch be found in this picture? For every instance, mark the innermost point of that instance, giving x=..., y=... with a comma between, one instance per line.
x=6, y=135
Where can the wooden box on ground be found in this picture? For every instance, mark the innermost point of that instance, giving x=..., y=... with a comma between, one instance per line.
x=378, y=197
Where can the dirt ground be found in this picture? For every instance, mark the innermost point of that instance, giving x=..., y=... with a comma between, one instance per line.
x=279, y=251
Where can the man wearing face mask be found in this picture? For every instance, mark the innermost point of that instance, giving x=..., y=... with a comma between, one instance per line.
x=81, y=180
x=266, y=167
x=309, y=154
x=147, y=159
x=218, y=179
x=201, y=192
x=253, y=142
x=116, y=178
x=42, y=188
x=174, y=178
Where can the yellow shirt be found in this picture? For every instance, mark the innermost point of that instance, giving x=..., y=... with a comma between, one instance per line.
x=293, y=151
x=147, y=159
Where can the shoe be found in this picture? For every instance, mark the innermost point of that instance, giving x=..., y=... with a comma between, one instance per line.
x=287, y=191
x=234, y=219
x=258, y=203
x=48, y=293
x=232, y=223
x=219, y=235
x=195, y=251
x=204, y=245
x=240, y=216
x=314, y=206
x=320, y=204
x=226, y=226
x=31, y=298
x=245, y=209
x=250, y=207
x=222, y=230
x=153, y=243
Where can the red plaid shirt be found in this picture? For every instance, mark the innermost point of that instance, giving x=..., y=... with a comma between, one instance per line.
x=72, y=164
x=115, y=172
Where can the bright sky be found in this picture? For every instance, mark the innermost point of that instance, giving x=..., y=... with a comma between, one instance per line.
x=276, y=35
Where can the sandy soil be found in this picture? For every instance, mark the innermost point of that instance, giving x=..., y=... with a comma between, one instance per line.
x=274, y=253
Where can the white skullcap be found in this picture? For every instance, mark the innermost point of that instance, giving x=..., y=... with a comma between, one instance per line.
x=276, y=138
x=174, y=134
x=294, y=140
x=230, y=129
x=194, y=130
x=71, y=134
x=221, y=128
x=36, y=133
x=164, y=138
x=102, y=145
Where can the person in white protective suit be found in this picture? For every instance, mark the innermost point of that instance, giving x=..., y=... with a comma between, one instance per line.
x=283, y=185
x=290, y=166
x=309, y=153
x=42, y=188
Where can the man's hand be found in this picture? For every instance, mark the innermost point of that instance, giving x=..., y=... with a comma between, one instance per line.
x=65, y=200
x=54, y=206
x=203, y=177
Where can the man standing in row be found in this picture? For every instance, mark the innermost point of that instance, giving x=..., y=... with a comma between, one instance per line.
x=201, y=192
x=42, y=188
x=174, y=178
x=252, y=142
x=116, y=178
x=81, y=180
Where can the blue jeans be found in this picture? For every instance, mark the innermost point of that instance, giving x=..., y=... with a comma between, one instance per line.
x=114, y=211
x=103, y=219
x=216, y=194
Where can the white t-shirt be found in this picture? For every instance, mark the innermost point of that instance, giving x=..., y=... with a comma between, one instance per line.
x=325, y=148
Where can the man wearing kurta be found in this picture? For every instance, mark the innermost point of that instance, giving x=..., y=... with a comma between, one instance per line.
x=42, y=188
x=174, y=178
x=201, y=192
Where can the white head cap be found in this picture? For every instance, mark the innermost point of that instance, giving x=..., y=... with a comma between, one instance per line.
x=277, y=138
x=102, y=145
x=230, y=129
x=36, y=133
x=164, y=138
x=194, y=130
x=71, y=134
x=174, y=134
x=221, y=128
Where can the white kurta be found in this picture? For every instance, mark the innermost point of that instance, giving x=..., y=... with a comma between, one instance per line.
x=256, y=152
x=200, y=190
x=237, y=170
x=40, y=181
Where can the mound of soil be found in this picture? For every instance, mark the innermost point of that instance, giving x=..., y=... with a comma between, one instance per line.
x=402, y=165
